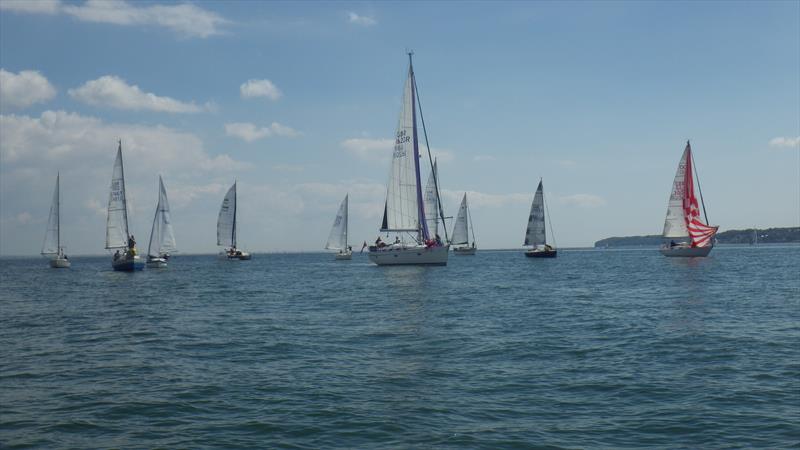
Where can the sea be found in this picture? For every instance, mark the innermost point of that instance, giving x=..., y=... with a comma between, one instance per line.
x=593, y=349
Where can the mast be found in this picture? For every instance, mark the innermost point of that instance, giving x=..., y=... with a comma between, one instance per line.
x=547, y=213
x=58, y=216
x=346, y=219
x=469, y=216
x=124, y=193
x=233, y=229
x=423, y=234
x=705, y=213
x=155, y=217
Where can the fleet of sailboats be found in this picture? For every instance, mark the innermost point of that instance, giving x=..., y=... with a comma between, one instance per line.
x=461, y=229
x=536, y=234
x=51, y=247
x=404, y=210
x=118, y=236
x=226, y=227
x=162, y=238
x=337, y=239
x=687, y=234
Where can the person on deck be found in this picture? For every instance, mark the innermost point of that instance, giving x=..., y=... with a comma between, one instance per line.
x=438, y=239
x=131, y=242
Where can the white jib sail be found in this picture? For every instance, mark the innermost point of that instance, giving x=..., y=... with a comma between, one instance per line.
x=117, y=222
x=226, y=222
x=337, y=240
x=162, y=238
x=675, y=223
x=402, y=213
x=51, y=236
x=535, y=235
x=432, y=202
x=460, y=230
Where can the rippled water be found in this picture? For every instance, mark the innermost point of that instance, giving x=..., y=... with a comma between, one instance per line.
x=593, y=349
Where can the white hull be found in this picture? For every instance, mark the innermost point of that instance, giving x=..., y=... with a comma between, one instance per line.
x=396, y=255
x=59, y=263
x=686, y=252
x=464, y=250
x=156, y=263
x=348, y=255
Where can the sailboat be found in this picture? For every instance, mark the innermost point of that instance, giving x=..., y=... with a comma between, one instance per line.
x=404, y=209
x=687, y=234
x=337, y=240
x=51, y=247
x=117, y=235
x=432, y=201
x=162, y=239
x=463, y=225
x=536, y=234
x=226, y=227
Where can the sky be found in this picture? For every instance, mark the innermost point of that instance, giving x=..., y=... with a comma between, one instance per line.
x=298, y=102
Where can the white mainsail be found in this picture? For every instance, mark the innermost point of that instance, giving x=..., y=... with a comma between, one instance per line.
x=460, y=230
x=337, y=240
x=117, y=221
x=432, y=201
x=226, y=222
x=402, y=207
x=52, y=237
x=162, y=238
x=675, y=222
x=535, y=235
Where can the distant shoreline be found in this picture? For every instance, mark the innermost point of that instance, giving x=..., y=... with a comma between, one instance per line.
x=750, y=236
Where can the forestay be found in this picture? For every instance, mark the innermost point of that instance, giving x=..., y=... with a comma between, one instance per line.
x=117, y=222
x=162, y=238
x=460, y=230
x=535, y=235
x=51, y=236
x=226, y=222
x=337, y=240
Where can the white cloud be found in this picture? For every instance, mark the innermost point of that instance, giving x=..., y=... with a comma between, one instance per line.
x=483, y=158
x=115, y=92
x=250, y=132
x=582, y=200
x=485, y=199
x=24, y=89
x=291, y=168
x=361, y=20
x=376, y=150
x=31, y=6
x=785, y=142
x=260, y=88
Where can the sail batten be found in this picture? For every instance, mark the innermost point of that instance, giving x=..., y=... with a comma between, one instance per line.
x=117, y=221
x=535, y=234
x=337, y=240
x=162, y=237
x=226, y=221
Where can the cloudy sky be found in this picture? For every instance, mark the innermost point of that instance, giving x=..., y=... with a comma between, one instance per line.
x=298, y=101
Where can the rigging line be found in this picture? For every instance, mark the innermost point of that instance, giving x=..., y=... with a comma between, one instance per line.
x=471, y=228
x=547, y=211
x=430, y=160
x=705, y=213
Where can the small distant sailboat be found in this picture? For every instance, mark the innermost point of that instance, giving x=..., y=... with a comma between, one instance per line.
x=226, y=227
x=117, y=235
x=694, y=238
x=536, y=235
x=162, y=238
x=51, y=247
x=404, y=210
x=337, y=240
x=463, y=225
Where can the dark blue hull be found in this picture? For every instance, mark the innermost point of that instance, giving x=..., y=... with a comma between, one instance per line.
x=128, y=265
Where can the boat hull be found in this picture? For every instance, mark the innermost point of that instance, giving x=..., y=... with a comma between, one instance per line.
x=237, y=256
x=412, y=256
x=60, y=263
x=467, y=251
x=686, y=252
x=344, y=256
x=156, y=263
x=541, y=253
x=128, y=263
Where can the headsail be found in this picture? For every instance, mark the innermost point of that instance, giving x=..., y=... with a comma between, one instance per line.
x=51, y=243
x=432, y=202
x=460, y=231
x=337, y=240
x=117, y=222
x=226, y=222
x=535, y=234
x=162, y=238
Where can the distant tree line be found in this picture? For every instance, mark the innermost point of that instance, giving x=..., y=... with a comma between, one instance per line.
x=748, y=236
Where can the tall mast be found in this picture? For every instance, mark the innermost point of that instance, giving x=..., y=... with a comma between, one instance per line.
x=469, y=216
x=155, y=216
x=124, y=192
x=233, y=230
x=423, y=234
x=58, y=216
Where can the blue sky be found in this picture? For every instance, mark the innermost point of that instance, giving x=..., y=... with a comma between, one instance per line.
x=298, y=101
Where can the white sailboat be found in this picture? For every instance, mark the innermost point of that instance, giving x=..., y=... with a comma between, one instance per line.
x=463, y=225
x=117, y=234
x=404, y=209
x=226, y=227
x=51, y=247
x=687, y=235
x=337, y=239
x=432, y=201
x=162, y=238
x=536, y=234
